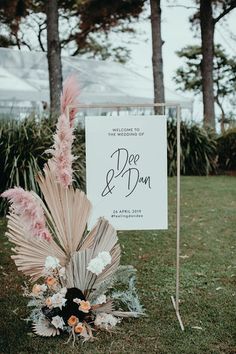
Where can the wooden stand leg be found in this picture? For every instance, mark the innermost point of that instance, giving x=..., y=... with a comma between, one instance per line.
x=175, y=300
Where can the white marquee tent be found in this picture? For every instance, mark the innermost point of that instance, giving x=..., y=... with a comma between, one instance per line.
x=24, y=78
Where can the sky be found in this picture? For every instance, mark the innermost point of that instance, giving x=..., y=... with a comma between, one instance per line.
x=176, y=33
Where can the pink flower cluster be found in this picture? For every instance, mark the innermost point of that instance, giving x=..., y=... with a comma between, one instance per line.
x=63, y=139
x=62, y=156
x=29, y=209
x=70, y=97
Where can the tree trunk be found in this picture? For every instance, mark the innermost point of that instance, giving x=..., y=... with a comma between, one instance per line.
x=222, y=120
x=157, y=62
x=54, y=57
x=207, y=36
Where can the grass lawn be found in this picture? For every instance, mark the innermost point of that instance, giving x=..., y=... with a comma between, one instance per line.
x=208, y=283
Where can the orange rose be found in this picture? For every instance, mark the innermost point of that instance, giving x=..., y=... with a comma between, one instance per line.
x=79, y=328
x=48, y=302
x=84, y=306
x=36, y=289
x=72, y=321
x=51, y=281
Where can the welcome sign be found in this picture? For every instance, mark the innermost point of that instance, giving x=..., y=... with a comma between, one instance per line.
x=126, y=168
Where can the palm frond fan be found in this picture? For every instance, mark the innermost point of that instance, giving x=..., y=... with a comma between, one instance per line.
x=76, y=268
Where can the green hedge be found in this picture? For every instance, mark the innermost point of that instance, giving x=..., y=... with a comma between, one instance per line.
x=226, y=147
x=21, y=151
x=22, y=146
x=198, y=149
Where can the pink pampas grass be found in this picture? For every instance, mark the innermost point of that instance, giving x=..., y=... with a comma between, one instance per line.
x=70, y=97
x=61, y=152
x=62, y=157
x=25, y=205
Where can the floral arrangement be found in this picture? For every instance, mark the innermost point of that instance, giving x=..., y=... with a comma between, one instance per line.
x=72, y=272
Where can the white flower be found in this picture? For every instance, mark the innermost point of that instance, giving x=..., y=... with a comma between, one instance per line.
x=51, y=263
x=77, y=301
x=106, y=321
x=63, y=291
x=43, y=287
x=105, y=256
x=57, y=322
x=102, y=299
x=38, y=290
x=97, y=264
x=62, y=272
x=58, y=300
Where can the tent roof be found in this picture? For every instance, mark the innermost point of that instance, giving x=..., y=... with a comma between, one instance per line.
x=25, y=75
x=13, y=88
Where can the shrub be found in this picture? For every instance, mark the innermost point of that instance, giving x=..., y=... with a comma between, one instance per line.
x=226, y=147
x=21, y=151
x=198, y=149
x=22, y=146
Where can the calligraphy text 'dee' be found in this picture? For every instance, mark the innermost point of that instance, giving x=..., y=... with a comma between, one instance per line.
x=126, y=167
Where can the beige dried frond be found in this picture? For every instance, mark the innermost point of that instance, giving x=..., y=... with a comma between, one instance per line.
x=77, y=274
x=45, y=329
x=30, y=252
x=106, y=307
x=125, y=314
x=67, y=210
x=102, y=238
x=88, y=241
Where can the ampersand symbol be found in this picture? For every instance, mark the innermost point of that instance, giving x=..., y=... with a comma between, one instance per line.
x=109, y=178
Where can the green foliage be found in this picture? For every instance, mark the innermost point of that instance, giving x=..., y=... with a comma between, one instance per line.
x=198, y=150
x=226, y=146
x=22, y=147
x=86, y=25
x=22, y=151
x=188, y=77
x=129, y=297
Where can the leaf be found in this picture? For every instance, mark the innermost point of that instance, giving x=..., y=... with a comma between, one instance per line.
x=128, y=314
x=67, y=209
x=45, y=329
x=31, y=251
x=102, y=238
x=106, y=307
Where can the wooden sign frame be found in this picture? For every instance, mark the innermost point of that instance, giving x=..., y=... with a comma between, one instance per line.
x=117, y=107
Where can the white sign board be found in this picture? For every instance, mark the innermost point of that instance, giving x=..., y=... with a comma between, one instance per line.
x=126, y=168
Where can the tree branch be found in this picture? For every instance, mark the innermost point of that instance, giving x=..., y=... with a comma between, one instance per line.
x=225, y=12
x=42, y=27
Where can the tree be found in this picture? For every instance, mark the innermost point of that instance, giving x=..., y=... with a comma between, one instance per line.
x=84, y=25
x=54, y=57
x=189, y=77
x=207, y=37
x=157, y=62
x=87, y=18
x=209, y=14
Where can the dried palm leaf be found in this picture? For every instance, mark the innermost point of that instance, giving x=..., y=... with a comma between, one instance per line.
x=45, y=329
x=106, y=307
x=111, y=268
x=31, y=251
x=102, y=238
x=77, y=274
x=68, y=208
x=127, y=314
